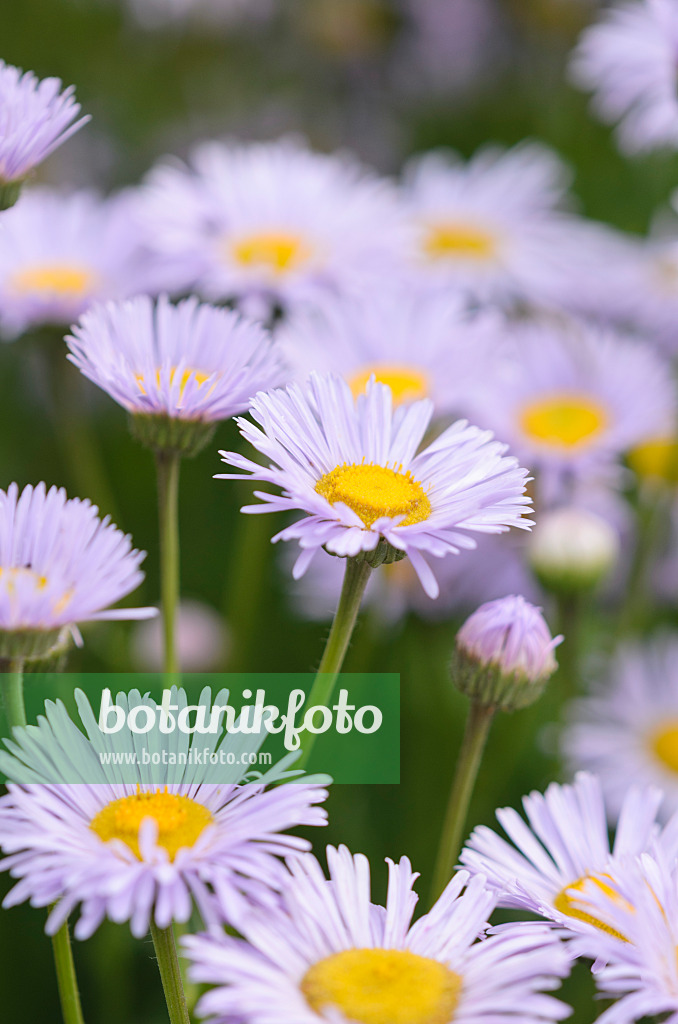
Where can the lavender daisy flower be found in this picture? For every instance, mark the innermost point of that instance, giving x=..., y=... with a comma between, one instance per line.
x=564, y=845
x=272, y=221
x=352, y=466
x=60, y=253
x=329, y=953
x=35, y=118
x=59, y=565
x=628, y=58
x=142, y=843
x=190, y=364
x=627, y=731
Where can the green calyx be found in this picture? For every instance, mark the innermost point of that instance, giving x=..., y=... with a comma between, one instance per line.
x=170, y=435
x=491, y=686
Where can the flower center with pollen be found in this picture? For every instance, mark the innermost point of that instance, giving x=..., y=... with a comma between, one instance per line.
x=199, y=376
x=459, y=241
x=180, y=820
x=9, y=578
x=656, y=459
x=54, y=281
x=407, y=384
x=563, y=420
x=566, y=904
x=383, y=986
x=375, y=491
x=664, y=744
x=278, y=252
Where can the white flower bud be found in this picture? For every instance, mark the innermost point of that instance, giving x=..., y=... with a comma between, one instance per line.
x=571, y=549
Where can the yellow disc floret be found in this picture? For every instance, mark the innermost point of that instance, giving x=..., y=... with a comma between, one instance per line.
x=656, y=459
x=180, y=820
x=278, y=252
x=375, y=491
x=54, y=281
x=459, y=241
x=664, y=744
x=563, y=420
x=407, y=383
x=383, y=986
x=566, y=904
x=199, y=375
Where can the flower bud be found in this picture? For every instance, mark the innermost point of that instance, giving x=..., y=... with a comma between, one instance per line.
x=504, y=654
x=572, y=550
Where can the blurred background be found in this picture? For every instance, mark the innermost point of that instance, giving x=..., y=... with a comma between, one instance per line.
x=385, y=79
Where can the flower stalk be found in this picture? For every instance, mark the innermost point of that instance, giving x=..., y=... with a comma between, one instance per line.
x=69, y=996
x=168, y=465
x=170, y=973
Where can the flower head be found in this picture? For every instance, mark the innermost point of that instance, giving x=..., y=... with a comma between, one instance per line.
x=131, y=842
x=328, y=953
x=627, y=731
x=191, y=362
x=59, y=253
x=59, y=565
x=572, y=549
x=504, y=653
x=35, y=118
x=273, y=220
x=563, y=845
x=628, y=58
x=351, y=466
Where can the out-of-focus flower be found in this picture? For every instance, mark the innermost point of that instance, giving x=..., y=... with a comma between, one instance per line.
x=564, y=845
x=494, y=226
x=575, y=395
x=494, y=568
x=655, y=461
x=273, y=220
x=329, y=952
x=201, y=636
x=422, y=344
x=59, y=253
x=352, y=467
x=572, y=549
x=503, y=654
x=628, y=59
x=205, y=14
x=59, y=565
x=174, y=367
x=35, y=118
x=137, y=843
x=627, y=732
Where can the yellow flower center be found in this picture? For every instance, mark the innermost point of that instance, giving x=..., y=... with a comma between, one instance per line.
x=279, y=252
x=375, y=491
x=664, y=743
x=656, y=459
x=199, y=376
x=9, y=578
x=406, y=383
x=180, y=820
x=383, y=986
x=54, y=281
x=566, y=904
x=459, y=241
x=563, y=420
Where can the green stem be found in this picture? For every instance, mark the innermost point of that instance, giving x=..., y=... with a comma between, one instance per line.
x=167, y=465
x=570, y=613
x=170, y=973
x=355, y=580
x=470, y=755
x=13, y=691
x=66, y=979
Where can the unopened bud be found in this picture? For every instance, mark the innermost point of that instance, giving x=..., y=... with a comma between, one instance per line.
x=504, y=654
x=572, y=550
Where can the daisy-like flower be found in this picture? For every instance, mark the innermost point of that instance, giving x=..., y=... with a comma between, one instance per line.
x=352, y=466
x=492, y=226
x=272, y=220
x=35, y=118
x=329, y=953
x=422, y=344
x=628, y=59
x=174, y=367
x=135, y=842
x=59, y=565
x=59, y=253
x=639, y=905
x=628, y=731
x=575, y=396
x=563, y=846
